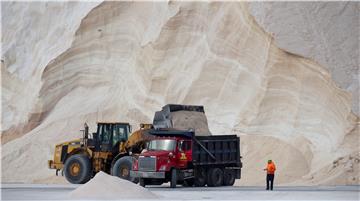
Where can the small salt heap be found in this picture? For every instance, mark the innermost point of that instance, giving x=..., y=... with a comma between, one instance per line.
x=106, y=187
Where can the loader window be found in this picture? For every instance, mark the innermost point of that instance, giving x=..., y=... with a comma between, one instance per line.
x=120, y=133
x=110, y=134
x=105, y=133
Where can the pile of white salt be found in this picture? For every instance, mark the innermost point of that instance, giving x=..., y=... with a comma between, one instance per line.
x=107, y=187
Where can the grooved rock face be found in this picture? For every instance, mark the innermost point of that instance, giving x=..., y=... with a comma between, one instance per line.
x=128, y=59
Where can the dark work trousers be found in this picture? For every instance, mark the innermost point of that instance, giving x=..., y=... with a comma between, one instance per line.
x=270, y=181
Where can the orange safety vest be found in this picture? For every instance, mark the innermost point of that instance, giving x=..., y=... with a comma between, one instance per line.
x=271, y=168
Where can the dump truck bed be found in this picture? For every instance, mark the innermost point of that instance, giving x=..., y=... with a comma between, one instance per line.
x=216, y=150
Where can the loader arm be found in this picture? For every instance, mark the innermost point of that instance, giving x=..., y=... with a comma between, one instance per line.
x=137, y=140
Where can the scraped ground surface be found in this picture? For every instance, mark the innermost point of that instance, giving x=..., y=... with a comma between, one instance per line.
x=107, y=187
x=66, y=63
x=61, y=192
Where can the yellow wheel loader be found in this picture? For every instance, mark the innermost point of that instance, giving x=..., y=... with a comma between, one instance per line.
x=109, y=150
x=112, y=149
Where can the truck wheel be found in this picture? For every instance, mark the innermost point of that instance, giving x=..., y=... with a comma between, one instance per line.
x=200, y=177
x=122, y=169
x=188, y=183
x=215, y=177
x=229, y=177
x=173, y=179
x=78, y=169
x=142, y=182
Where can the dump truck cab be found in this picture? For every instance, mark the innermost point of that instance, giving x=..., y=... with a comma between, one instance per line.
x=161, y=156
x=170, y=152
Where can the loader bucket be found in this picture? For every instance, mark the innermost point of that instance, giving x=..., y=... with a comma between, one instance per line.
x=168, y=117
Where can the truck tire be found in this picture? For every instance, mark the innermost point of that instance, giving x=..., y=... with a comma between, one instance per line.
x=142, y=182
x=215, y=177
x=200, y=177
x=188, y=183
x=78, y=169
x=173, y=179
x=122, y=169
x=229, y=177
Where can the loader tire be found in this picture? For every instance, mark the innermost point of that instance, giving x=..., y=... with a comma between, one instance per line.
x=229, y=177
x=122, y=169
x=215, y=177
x=78, y=169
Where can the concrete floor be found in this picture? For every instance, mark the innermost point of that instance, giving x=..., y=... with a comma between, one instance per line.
x=60, y=192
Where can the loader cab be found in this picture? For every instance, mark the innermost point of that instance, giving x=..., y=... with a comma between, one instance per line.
x=110, y=135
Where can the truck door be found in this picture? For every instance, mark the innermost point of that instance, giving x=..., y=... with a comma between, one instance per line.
x=185, y=153
x=187, y=149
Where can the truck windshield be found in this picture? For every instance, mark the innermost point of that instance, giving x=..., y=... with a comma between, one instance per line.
x=166, y=145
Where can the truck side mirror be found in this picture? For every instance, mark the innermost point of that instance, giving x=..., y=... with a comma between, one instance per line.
x=180, y=146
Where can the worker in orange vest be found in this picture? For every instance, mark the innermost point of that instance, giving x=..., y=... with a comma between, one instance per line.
x=270, y=169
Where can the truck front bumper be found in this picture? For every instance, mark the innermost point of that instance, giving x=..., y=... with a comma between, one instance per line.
x=140, y=174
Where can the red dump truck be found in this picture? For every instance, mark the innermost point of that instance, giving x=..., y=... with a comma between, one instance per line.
x=180, y=157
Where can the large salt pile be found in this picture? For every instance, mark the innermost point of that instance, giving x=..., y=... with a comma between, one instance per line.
x=106, y=187
x=185, y=120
